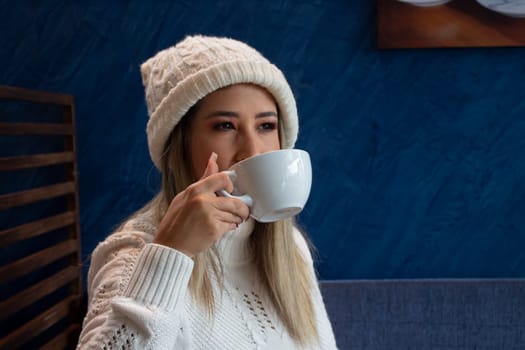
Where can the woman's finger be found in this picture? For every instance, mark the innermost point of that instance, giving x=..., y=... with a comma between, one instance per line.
x=212, y=184
x=229, y=218
x=212, y=167
x=232, y=206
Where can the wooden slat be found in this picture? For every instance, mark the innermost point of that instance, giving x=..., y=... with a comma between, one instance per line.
x=35, y=261
x=63, y=340
x=35, y=128
x=29, y=196
x=71, y=175
x=37, y=325
x=36, y=228
x=68, y=250
x=35, y=161
x=21, y=94
x=37, y=291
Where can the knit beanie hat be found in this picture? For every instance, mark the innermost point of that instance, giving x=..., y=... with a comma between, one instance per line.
x=178, y=77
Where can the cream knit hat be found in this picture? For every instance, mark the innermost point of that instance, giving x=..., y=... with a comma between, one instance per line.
x=178, y=77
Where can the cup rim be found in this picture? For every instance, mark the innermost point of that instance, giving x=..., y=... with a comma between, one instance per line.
x=268, y=154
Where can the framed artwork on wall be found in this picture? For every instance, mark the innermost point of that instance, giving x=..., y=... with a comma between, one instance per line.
x=450, y=23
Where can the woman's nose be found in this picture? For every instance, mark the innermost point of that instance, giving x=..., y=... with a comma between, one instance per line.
x=248, y=146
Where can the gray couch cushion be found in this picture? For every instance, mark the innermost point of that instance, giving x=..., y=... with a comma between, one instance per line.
x=427, y=314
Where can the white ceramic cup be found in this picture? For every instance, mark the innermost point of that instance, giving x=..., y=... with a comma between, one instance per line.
x=275, y=185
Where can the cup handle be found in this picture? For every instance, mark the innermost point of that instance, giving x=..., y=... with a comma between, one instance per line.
x=246, y=199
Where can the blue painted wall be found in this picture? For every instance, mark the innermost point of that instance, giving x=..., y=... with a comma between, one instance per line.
x=418, y=155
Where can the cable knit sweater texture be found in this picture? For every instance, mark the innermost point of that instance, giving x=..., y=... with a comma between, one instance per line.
x=139, y=298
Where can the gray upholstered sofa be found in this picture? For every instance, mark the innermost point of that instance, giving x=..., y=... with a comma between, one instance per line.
x=427, y=314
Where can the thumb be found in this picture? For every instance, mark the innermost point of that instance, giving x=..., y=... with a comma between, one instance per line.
x=212, y=167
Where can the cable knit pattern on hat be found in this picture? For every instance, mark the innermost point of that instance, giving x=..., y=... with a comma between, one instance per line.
x=178, y=77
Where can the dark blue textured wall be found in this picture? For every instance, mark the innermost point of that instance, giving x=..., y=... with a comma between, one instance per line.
x=418, y=155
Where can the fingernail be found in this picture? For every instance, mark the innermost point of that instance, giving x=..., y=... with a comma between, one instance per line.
x=213, y=156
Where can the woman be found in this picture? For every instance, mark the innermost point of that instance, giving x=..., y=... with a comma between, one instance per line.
x=191, y=270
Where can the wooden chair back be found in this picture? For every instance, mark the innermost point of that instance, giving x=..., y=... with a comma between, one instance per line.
x=40, y=260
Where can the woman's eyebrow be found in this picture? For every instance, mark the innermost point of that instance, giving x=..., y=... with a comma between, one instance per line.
x=267, y=114
x=223, y=114
x=232, y=114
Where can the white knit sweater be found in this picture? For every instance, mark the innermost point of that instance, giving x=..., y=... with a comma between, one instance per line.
x=139, y=299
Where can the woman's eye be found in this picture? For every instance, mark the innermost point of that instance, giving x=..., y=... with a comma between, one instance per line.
x=224, y=126
x=268, y=126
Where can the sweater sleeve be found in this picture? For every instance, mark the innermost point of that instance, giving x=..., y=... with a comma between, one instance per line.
x=136, y=292
x=324, y=327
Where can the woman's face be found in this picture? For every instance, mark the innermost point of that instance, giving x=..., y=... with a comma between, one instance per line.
x=236, y=122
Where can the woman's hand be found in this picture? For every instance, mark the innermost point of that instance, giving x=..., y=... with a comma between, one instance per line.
x=196, y=218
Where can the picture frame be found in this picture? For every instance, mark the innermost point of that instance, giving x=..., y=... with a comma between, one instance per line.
x=452, y=23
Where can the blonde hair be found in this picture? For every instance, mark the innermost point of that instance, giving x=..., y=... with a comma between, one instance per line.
x=281, y=268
